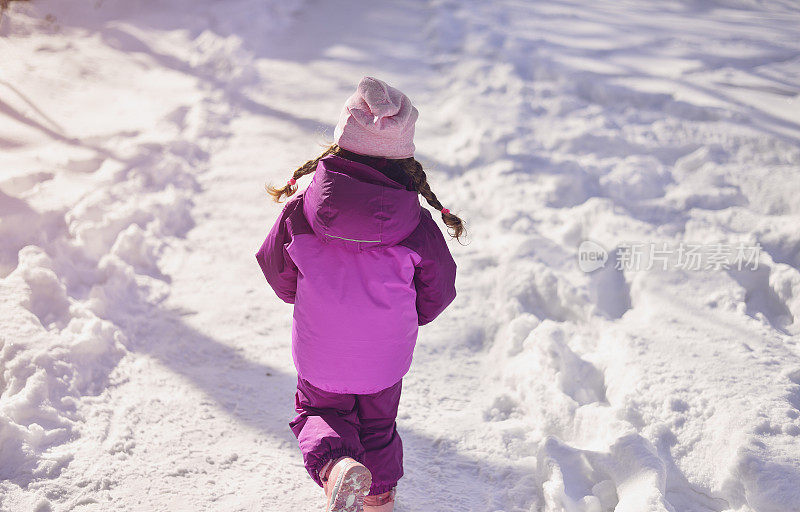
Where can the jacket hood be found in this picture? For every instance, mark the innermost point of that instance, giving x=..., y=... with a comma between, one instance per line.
x=357, y=206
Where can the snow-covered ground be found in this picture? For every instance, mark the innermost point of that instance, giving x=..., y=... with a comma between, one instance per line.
x=146, y=363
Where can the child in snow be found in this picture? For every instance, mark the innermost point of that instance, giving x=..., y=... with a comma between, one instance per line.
x=364, y=265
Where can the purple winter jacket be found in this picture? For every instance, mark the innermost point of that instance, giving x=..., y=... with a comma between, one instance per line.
x=364, y=265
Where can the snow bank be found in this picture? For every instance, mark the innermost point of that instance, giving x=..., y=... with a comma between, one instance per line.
x=631, y=389
x=69, y=299
x=54, y=350
x=92, y=194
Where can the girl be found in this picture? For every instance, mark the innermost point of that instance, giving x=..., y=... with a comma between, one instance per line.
x=364, y=265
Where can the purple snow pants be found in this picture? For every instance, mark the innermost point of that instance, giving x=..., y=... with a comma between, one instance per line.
x=331, y=425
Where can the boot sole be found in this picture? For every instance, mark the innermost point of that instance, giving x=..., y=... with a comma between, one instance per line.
x=351, y=486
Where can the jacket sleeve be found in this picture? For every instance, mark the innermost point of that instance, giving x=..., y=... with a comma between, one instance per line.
x=274, y=259
x=435, y=274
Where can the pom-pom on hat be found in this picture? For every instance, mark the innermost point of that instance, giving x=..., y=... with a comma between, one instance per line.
x=377, y=120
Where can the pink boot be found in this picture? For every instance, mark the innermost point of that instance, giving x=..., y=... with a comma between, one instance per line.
x=380, y=502
x=345, y=481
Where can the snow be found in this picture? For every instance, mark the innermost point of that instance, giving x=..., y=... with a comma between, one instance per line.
x=146, y=363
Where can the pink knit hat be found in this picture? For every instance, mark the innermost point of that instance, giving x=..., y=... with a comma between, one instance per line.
x=377, y=120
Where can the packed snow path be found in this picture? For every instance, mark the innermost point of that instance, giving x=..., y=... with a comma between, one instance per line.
x=146, y=363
